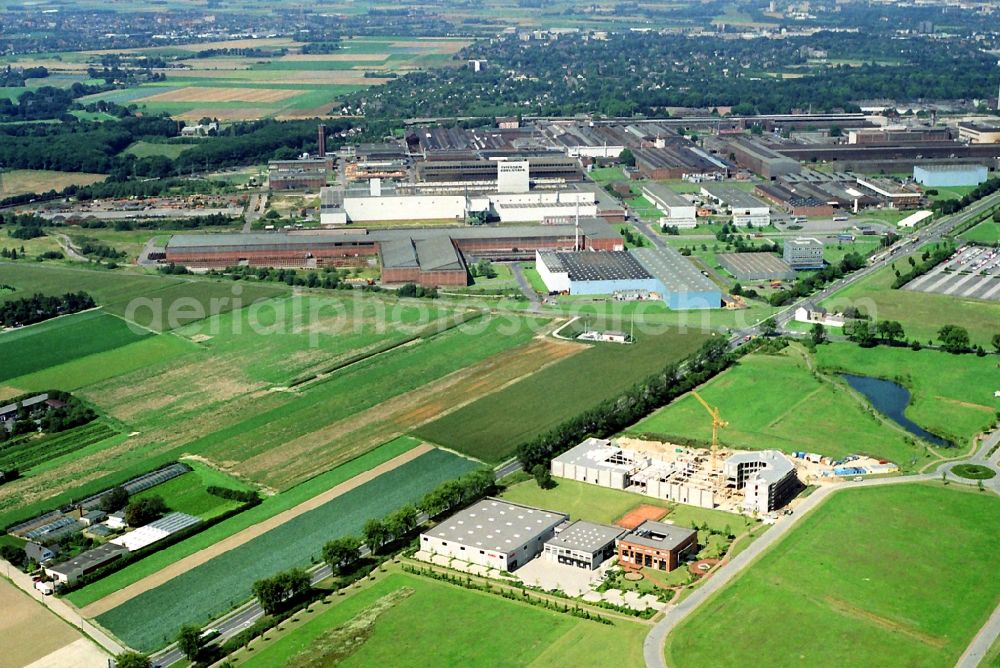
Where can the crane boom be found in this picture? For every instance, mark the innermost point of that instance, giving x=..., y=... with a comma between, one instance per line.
x=717, y=424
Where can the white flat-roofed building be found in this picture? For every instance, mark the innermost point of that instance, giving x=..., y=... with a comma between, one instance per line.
x=493, y=533
x=583, y=544
x=915, y=219
x=599, y=462
x=745, y=208
x=677, y=210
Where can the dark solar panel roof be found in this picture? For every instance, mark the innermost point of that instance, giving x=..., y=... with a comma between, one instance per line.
x=602, y=266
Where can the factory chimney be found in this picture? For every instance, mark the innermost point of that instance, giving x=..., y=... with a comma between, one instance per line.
x=321, y=139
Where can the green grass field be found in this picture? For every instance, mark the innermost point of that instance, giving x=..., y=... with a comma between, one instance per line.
x=774, y=401
x=151, y=619
x=863, y=581
x=921, y=314
x=145, y=149
x=491, y=428
x=188, y=493
x=116, y=290
x=951, y=395
x=269, y=507
x=604, y=505
x=986, y=232
x=442, y=624
x=59, y=340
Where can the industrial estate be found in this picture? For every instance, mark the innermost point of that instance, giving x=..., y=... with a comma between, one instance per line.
x=549, y=335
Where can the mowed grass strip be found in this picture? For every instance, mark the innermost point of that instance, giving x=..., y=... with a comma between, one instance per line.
x=101, y=366
x=774, y=401
x=890, y=576
x=951, y=395
x=492, y=427
x=151, y=620
x=61, y=340
x=442, y=625
x=270, y=507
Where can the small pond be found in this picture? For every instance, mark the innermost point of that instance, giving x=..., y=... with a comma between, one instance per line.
x=891, y=399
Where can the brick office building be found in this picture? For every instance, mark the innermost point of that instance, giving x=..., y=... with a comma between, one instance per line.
x=656, y=545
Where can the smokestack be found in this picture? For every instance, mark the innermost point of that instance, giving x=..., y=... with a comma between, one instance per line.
x=321, y=139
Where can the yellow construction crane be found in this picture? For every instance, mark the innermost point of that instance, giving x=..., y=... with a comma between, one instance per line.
x=717, y=424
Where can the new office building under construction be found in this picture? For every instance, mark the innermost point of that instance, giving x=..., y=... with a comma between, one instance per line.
x=745, y=482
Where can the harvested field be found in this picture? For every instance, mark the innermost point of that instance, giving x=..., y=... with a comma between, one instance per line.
x=20, y=181
x=210, y=94
x=302, y=457
x=245, y=536
x=640, y=514
x=39, y=631
x=78, y=654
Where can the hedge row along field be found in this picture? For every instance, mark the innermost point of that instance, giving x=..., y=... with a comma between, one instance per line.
x=62, y=340
x=151, y=620
x=491, y=428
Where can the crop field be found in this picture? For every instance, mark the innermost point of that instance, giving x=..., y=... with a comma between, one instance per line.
x=151, y=619
x=866, y=582
x=187, y=493
x=269, y=508
x=951, y=395
x=20, y=181
x=491, y=428
x=222, y=385
x=443, y=624
x=26, y=455
x=774, y=401
x=293, y=85
x=61, y=340
x=921, y=314
x=604, y=505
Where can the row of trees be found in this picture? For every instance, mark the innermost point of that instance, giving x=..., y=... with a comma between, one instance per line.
x=613, y=415
x=344, y=552
x=804, y=287
x=39, y=307
x=948, y=206
x=929, y=260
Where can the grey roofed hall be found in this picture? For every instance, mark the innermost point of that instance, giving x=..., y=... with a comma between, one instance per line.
x=496, y=525
x=659, y=535
x=586, y=536
x=668, y=196
x=675, y=271
x=88, y=560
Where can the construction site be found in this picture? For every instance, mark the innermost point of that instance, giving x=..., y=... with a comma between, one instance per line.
x=752, y=482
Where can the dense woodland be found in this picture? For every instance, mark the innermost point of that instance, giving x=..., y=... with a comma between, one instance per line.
x=644, y=73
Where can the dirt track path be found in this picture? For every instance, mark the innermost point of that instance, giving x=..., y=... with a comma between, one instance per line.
x=248, y=534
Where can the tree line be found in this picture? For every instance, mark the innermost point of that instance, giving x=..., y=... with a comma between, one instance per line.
x=39, y=307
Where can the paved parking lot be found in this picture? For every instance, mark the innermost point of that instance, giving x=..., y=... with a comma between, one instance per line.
x=972, y=272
